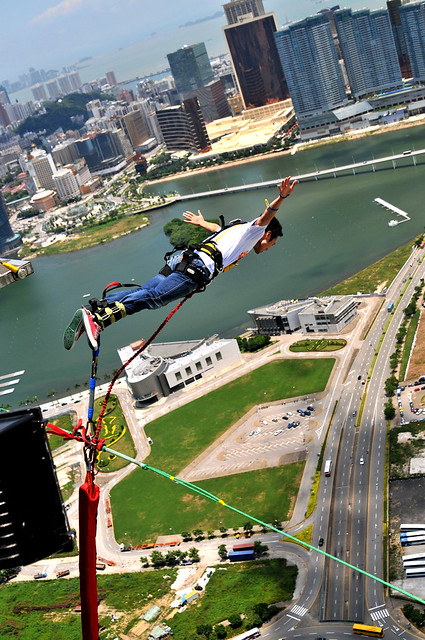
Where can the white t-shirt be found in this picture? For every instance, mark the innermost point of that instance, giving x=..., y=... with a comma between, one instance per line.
x=234, y=243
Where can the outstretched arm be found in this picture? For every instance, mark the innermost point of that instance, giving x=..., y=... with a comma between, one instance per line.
x=198, y=221
x=285, y=189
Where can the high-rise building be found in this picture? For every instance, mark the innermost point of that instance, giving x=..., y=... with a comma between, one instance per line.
x=413, y=22
x=100, y=152
x=74, y=80
x=53, y=89
x=41, y=168
x=212, y=100
x=311, y=67
x=64, y=153
x=39, y=92
x=190, y=67
x=111, y=78
x=66, y=184
x=367, y=45
x=8, y=239
x=4, y=96
x=256, y=61
x=238, y=10
x=182, y=127
x=65, y=85
x=134, y=125
x=393, y=7
x=4, y=116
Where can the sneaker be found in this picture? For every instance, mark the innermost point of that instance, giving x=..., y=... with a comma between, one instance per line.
x=92, y=328
x=74, y=330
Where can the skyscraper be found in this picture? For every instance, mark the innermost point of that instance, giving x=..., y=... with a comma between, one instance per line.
x=236, y=10
x=8, y=239
x=182, y=127
x=393, y=7
x=368, y=49
x=311, y=67
x=413, y=22
x=190, y=67
x=256, y=61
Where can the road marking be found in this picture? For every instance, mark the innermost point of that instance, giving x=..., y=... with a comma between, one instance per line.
x=299, y=610
x=11, y=375
x=376, y=615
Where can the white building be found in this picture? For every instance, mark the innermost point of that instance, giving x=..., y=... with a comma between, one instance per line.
x=66, y=184
x=312, y=315
x=168, y=367
x=41, y=168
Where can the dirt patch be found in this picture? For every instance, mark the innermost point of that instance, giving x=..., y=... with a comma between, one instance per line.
x=407, y=504
x=417, y=361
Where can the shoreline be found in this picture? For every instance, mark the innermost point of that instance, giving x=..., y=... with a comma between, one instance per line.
x=344, y=137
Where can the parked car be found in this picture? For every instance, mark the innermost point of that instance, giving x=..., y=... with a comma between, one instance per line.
x=275, y=420
x=285, y=418
x=276, y=433
x=310, y=407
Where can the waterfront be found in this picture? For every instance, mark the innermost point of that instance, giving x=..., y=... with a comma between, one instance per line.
x=332, y=228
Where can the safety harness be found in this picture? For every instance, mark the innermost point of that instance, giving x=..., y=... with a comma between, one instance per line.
x=191, y=252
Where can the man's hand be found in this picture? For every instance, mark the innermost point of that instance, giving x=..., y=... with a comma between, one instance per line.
x=286, y=187
x=193, y=218
x=198, y=221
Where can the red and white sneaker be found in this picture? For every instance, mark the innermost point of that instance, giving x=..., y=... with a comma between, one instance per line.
x=92, y=328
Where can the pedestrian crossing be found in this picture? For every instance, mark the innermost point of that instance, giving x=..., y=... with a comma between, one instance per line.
x=7, y=380
x=379, y=615
x=298, y=610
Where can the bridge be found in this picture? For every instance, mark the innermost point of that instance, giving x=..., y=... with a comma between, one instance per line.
x=315, y=175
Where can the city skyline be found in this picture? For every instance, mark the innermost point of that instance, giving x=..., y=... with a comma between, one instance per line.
x=74, y=29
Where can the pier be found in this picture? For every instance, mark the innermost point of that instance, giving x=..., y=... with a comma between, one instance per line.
x=315, y=175
x=391, y=207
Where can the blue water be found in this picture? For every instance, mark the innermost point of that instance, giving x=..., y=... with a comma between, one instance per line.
x=332, y=229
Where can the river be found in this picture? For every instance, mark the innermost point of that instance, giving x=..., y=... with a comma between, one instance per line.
x=332, y=229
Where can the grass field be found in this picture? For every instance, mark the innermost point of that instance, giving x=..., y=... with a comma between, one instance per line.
x=322, y=344
x=45, y=610
x=379, y=274
x=268, y=581
x=117, y=436
x=144, y=505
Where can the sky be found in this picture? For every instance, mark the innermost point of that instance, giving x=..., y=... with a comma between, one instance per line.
x=49, y=34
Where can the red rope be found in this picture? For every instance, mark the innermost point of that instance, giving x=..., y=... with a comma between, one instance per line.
x=121, y=369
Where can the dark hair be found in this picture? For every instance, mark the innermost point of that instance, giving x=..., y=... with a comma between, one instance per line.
x=275, y=228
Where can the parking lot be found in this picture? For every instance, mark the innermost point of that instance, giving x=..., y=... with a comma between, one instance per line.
x=266, y=437
x=411, y=401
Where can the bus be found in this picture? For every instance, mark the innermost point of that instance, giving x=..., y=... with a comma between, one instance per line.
x=413, y=556
x=415, y=573
x=390, y=307
x=252, y=633
x=409, y=534
x=365, y=630
x=328, y=467
x=411, y=527
x=410, y=541
x=414, y=564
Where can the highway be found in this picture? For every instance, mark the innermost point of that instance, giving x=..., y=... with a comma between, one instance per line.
x=349, y=511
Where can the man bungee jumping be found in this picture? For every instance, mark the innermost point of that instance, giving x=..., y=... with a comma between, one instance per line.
x=185, y=271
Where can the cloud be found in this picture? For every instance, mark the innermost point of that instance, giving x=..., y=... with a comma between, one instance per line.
x=64, y=8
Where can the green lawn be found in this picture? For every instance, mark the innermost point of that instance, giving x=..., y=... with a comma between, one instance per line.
x=116, y=433
x=45, y=610
x=144, y=505
x=268, y=581
x=376, y=274
x=323, y=344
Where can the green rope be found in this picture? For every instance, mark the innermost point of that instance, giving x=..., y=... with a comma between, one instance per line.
x=210, y=496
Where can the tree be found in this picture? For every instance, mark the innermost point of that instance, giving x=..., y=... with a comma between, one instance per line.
x=223, y=531
x=157, y=558
x=204, y=630
x=235, y=620
x=220, y=631
x=194, y=554
x=186, y=535
x=260, y=549
x=198, y=534
x=248, y=526
x=389, y=411
x=222, y=551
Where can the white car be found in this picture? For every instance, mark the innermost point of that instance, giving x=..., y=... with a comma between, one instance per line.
x=264, y=422
x=257, y=431
x=251, y=433
x=289, y=413
x=361, y=460
x=276, y=433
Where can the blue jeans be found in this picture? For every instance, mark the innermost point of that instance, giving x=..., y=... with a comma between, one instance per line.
x=160, y=290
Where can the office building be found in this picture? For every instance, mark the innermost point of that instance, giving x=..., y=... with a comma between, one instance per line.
x=4, y=96
x=74, y=80
x=413, y=22
x=183, y=127
x=4, y=116
x=256, y=63
x=101, y=153
x=212, y=100
x=64, y=85
x=312, y=70
x=190, y=67
x=8, y=239
x=393, y=8
x=369, y=52
x=134, y=125
x=238, y=10
x=66, y=184
x=64, y=153
x=312, y=315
